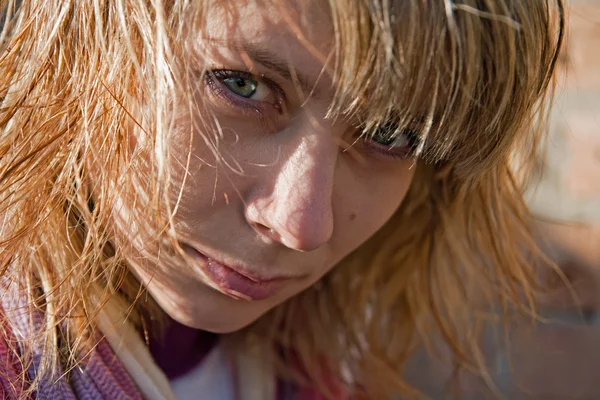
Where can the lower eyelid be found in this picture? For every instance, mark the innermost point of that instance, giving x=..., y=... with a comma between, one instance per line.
x=221, y=99
x=380, y=150
x=404, y=152
x=267, y=116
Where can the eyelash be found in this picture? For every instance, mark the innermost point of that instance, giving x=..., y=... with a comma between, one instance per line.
x=214, y=82
x=398, y=152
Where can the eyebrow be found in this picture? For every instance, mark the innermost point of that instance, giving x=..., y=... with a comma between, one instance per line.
x=274, y=62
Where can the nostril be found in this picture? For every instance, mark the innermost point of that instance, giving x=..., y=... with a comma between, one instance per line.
x=267, y=232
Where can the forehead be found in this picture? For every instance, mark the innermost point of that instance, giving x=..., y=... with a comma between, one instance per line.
x=272, y=21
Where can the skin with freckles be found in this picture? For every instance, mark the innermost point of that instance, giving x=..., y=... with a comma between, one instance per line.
x=338, y=182
x=281, y=191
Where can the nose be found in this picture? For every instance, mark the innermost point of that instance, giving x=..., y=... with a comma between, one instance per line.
x=294, y=203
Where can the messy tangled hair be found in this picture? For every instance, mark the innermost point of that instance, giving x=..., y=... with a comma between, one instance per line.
x=78, y=79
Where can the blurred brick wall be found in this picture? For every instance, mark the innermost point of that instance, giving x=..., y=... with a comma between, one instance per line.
x=570, y=188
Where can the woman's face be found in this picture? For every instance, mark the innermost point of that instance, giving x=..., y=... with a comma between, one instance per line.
x=291, y=192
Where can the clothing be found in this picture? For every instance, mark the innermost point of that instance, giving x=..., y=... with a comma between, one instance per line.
x=102, y=377
x=206, y=377
x=134, y=374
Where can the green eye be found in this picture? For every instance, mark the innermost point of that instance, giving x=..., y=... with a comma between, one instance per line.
x=391, y=140
x=243, y=87
x=386, y=135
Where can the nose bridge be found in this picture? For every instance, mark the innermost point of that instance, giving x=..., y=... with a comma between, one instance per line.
x=303, y=193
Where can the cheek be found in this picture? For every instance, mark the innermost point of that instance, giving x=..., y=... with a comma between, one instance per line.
x=193, y=164
x=380, y=196
x=367, y=204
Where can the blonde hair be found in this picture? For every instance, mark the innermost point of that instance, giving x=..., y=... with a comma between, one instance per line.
x=476, y=74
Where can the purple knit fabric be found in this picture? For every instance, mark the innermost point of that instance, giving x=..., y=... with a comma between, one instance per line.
x=100, y=377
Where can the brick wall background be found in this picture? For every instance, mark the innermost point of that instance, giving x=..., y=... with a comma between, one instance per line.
x=570, y=188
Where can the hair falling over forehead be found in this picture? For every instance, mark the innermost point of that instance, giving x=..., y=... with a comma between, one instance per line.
x=79, y=80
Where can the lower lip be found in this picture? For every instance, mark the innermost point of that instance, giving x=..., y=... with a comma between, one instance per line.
x=232, y=283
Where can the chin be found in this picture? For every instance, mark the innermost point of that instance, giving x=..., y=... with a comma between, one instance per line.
x=214, y=312
x=224, y=329
x=219, y=323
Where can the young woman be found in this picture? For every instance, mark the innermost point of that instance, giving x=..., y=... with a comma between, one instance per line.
x=261, y=199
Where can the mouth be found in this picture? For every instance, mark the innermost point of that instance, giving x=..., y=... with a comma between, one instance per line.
x=233, y=281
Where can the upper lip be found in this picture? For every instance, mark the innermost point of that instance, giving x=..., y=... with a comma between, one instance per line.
x=243, y=270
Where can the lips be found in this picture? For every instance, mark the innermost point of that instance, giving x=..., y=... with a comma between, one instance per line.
x=234, y=282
